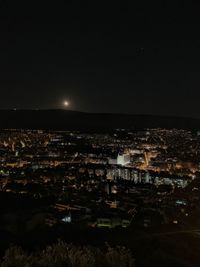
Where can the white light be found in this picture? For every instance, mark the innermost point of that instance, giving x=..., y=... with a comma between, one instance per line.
x=66, y=103
x=67, y=219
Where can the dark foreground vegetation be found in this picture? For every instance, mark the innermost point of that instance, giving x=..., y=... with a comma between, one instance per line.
x=62, y=254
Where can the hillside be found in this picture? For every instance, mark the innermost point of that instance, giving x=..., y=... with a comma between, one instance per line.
x=75, y=120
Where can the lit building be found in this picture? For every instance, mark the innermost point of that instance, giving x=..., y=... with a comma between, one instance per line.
x=123, y=159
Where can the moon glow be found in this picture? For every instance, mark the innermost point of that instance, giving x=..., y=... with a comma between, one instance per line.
x=66, y=103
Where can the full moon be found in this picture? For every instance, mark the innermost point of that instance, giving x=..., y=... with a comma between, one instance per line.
x=66, y=103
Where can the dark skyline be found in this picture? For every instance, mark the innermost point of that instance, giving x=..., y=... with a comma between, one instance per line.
x=102, y=57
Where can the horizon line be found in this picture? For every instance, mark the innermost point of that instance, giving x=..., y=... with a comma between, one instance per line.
x=103, y=113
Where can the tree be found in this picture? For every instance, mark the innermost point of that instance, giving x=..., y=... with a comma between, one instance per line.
x=62, y=254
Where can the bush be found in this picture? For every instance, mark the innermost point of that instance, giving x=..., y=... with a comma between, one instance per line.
x=62, y=254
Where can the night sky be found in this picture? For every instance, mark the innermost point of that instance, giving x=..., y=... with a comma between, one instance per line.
x=121, y=57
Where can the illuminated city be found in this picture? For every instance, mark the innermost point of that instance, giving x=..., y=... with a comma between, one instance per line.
x=114, y=171
x=134, y=180
x=99, y=133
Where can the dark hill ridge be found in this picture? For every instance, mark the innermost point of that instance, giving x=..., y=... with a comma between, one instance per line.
x=75, y=120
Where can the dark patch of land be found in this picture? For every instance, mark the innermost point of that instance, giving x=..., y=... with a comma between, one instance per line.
x=82, y=121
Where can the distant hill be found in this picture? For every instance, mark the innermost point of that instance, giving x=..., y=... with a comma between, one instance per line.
x=83, y=121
